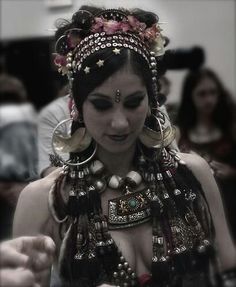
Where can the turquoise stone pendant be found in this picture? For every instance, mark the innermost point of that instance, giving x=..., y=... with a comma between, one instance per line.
x=129, y=210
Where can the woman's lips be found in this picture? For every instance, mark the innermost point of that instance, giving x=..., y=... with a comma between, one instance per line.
x=118, y=138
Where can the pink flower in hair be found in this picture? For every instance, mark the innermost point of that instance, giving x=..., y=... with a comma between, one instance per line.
x=125, y=27
x=136, y=24
x=98, y=25
x=111, y=26
x=59, y=60
x=151, y=32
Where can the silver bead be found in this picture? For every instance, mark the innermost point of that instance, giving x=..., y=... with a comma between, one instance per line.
x=154, y=72
x=100, y=185
x=96, y=167
x=114, y=182
x=177, y=192
x=166, y=195
x=129, y=270
x=73, y=174
x=120, y=266
x=86, y=171
x=72, y=193
x=135, y=177
x=115, y=274
x=153, y=65
x=80, y=174
x=122, y=259
x=160, y=240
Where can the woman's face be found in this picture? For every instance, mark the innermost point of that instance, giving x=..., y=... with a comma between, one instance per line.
x=205, y=96
x=114, y=113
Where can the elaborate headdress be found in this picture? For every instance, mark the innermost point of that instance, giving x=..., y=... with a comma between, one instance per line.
x=115, y=29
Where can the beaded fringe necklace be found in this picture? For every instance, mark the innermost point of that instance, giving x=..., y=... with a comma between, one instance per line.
x=172, y=200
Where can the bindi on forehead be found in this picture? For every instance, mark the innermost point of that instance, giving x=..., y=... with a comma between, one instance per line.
x=117, y=96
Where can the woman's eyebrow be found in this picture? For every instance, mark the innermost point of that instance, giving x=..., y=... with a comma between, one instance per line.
x=106, y=97
x=99, y=95
x=135, y=94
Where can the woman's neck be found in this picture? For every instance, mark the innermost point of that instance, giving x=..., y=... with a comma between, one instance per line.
x=204, y=120
x=117, y=163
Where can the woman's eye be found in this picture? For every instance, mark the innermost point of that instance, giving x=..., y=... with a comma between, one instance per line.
x=134, y=103
x=101, y=105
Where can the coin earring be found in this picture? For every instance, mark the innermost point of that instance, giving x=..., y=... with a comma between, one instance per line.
x=156, y=135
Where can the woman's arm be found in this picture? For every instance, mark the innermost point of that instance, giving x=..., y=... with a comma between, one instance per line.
x=32, y=216
x=32, y=211
x=226, y=249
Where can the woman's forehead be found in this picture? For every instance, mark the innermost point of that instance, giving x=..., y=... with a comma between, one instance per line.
x=122, y=77
x=125, y=80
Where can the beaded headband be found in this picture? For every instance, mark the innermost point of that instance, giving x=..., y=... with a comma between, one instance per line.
x=110, y=29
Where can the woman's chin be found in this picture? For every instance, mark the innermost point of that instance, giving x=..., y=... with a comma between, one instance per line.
x=117, y=147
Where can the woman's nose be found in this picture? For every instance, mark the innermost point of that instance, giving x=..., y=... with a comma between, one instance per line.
x=119, y=121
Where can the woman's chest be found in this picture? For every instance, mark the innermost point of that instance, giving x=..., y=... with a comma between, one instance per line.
x=134, y=237
x=135, y=245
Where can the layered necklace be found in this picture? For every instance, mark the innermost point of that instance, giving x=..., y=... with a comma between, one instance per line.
x=133, y=206
x=167, y=199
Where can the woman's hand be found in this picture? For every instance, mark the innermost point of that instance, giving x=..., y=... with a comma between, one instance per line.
x=25, y=261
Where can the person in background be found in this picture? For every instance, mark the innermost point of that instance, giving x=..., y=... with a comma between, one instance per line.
x=18, y=136
x=206, y=120
x=23, y=259
x=48, y=118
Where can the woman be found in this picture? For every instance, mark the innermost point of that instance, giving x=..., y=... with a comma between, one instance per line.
x=125, y=210
x=207, y=125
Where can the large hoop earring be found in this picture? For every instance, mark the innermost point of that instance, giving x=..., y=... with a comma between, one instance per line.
x=157, y=139
x=79, y=142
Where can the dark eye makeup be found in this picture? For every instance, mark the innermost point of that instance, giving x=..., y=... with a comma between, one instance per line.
x=101, y=103
x=133, y=102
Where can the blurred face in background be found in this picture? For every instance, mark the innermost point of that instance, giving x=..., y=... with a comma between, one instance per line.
x=205, y=96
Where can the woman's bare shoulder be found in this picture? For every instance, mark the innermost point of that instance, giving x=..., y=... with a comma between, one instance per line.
x=196, y=164
x=32, y=212
x=203, y=173
x=40, y=188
